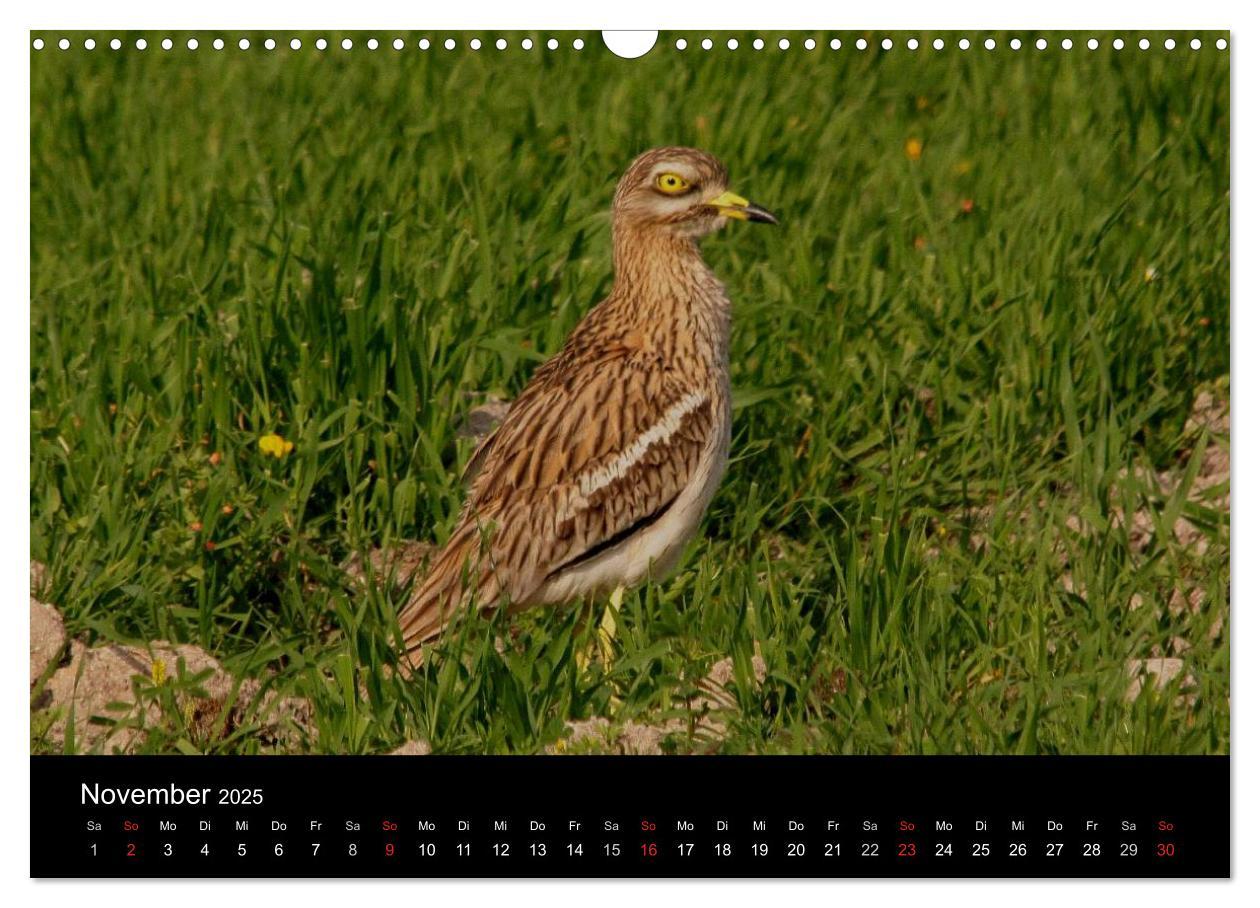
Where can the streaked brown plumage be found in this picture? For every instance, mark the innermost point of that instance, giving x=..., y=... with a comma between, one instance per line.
x=602, y=468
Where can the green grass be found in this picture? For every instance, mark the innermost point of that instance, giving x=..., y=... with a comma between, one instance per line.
x=941, y=366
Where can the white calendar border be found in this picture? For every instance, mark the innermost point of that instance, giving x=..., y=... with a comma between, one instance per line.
x=786, y=14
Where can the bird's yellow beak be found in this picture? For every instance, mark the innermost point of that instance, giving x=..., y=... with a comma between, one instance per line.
x=730, y=205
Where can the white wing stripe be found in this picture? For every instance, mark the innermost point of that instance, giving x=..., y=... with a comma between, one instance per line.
x=592, y=481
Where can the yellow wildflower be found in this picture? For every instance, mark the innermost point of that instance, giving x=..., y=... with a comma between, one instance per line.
x=158, y=672
x=275, y=445
x=914, y=149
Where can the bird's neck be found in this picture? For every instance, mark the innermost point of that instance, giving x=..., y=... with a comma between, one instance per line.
x=663, y=286
x=646, y=260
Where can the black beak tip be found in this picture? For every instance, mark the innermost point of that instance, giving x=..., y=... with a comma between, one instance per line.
x=760, y=215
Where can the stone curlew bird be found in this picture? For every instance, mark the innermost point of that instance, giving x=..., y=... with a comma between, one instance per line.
x=603, y=466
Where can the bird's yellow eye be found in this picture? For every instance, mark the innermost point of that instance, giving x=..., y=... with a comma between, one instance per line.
x=672, y=183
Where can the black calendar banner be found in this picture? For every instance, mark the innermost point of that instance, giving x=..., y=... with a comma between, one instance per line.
x=605, y=816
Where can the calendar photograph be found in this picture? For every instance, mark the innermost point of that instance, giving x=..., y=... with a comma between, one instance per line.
x=454, y=394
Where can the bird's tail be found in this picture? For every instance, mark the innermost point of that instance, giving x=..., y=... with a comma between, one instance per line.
x=461, y=573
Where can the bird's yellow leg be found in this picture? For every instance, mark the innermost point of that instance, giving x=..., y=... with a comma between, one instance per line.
x=608, y=626
x=605, y=632
x=582, y=656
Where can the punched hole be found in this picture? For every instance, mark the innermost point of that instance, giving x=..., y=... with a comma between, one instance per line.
x=629, y=45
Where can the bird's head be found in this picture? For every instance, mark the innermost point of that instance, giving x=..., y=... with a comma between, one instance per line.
x=681, y=191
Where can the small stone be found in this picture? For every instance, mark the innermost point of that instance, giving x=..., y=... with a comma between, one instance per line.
x=1180, y=600
x=38, y=576
x=98, y=679
x=1141, y=530
x=644, y=740
x=413, y=749
x=1217, y=626
x=483, y=420
x=596, y=729
x=1186, y=533
x=48, y=637
x=598, y=735
x=48, y=631
x=1161, y=671
x=722, y=671
x=1210, y=412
